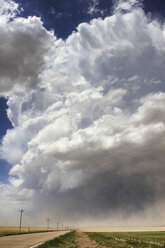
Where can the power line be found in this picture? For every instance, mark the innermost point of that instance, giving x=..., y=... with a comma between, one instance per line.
x=48, y=223
x=20, y=223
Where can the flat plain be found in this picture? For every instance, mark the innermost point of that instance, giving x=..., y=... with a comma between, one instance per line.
x=79, y=239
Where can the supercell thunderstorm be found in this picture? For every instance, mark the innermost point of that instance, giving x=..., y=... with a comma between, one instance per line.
x=88, y=115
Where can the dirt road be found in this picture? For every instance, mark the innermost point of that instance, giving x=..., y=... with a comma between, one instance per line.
x=28, y=240
x=84, y=241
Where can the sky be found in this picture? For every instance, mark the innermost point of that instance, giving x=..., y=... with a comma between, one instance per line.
x=82, y=122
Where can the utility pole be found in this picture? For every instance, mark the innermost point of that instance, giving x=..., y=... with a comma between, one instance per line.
x=48, y=223
x=57, y=225
x=20, y=224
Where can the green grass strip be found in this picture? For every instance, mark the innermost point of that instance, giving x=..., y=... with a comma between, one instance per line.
x=67, y=240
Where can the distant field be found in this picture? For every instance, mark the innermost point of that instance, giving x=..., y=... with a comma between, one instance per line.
x=129, y=239
x=4, y=231
x=125, y=229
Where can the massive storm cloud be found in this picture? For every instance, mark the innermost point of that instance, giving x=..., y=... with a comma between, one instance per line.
x=88, y=117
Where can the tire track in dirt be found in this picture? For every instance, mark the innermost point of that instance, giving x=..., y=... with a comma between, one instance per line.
x=84, y=241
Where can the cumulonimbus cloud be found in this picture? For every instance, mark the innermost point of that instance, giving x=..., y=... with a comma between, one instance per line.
x=89, y=137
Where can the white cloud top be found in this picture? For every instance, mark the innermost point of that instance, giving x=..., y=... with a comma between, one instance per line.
x=88, y=113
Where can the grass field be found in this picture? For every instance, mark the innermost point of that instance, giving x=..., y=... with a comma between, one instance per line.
x=130, y=239
x=67, y=240
x=5, y=231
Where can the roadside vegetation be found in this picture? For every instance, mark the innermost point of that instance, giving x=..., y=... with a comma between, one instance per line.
x=130, y=240
x=67, y=240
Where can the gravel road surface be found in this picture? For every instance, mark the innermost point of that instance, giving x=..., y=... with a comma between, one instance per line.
x=28, y=240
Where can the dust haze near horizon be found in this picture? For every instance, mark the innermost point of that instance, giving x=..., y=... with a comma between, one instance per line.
x=88, y=142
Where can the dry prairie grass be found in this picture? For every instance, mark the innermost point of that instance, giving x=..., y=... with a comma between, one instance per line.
x=14, y=230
